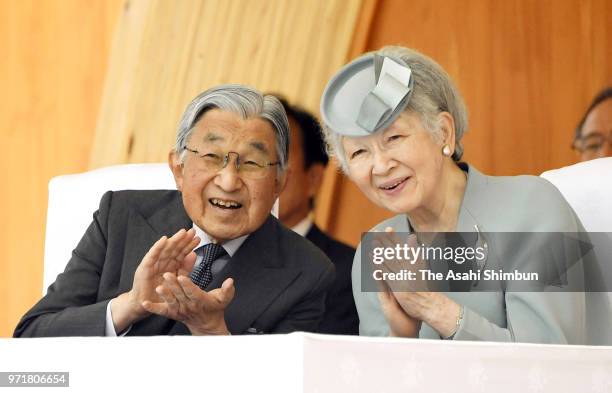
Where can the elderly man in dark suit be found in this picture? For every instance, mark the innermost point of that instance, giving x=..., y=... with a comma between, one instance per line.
x=307, y=162
x=208, y=259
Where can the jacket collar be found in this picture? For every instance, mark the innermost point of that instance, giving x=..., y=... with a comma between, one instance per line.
x=467, y=221
x=475, y=187
x=260, y=275
x=142, y=232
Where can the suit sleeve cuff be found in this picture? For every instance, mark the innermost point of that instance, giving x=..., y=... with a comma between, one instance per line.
x=462, y=332
x=475, y=327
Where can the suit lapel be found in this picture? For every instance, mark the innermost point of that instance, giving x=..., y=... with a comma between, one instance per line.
x=259, y=274
x=142, y=233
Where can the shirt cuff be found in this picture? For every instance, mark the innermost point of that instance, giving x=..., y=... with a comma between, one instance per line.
x=109, y=331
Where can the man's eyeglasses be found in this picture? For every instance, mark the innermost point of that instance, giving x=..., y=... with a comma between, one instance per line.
x=591, y=144
x=247, y=168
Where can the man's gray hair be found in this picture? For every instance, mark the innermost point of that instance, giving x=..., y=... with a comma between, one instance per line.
x=434, y=92
x=243, y=101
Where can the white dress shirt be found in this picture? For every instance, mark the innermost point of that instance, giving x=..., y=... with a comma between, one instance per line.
x=302, y=227
x=230, y=247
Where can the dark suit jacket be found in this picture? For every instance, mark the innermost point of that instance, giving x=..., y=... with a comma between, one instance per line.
x=340, y=311
x=280, y=278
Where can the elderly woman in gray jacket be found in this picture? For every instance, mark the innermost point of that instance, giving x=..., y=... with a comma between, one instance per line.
x=394, y=121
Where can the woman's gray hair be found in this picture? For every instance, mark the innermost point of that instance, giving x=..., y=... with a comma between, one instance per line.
x=434, y=92
x=243, y=101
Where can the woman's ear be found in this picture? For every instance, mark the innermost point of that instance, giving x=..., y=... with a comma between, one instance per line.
x=446, y=125
x=174, y=162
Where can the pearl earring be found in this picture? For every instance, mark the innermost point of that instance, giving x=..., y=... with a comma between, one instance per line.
x=446, y=150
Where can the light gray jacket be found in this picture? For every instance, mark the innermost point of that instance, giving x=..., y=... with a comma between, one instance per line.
x=506, y=204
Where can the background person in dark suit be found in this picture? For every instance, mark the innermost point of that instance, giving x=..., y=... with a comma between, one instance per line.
x=206, y=259
x=307, y=162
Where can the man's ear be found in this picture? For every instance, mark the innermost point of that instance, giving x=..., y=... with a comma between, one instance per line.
x=281, y=182
x=315, y=177
x=177, y=168
x=447, y=126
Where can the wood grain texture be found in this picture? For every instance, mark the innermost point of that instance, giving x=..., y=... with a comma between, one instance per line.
x=54, y=56
x=328, y=193
x=55, y=83
x=527, y=70
x=166, y=52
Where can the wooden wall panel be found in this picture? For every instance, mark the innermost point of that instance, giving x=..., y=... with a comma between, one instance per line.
x=527, y=70
x=55, y=83
x=54, y=56
x=325, y=207
x=167, y=52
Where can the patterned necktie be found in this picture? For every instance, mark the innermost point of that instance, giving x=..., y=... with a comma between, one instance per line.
x=201, y=275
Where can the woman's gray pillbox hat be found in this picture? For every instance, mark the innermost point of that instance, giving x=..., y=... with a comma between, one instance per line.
x=366, y=95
